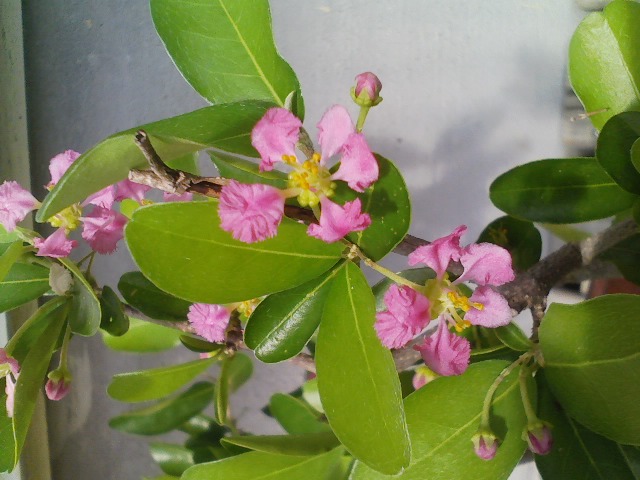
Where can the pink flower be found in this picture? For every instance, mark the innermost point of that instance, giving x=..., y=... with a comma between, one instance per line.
x=334, y=129
x=174, y=197
x=58, y=384
x=9, y=369
x=485, y=444
x=336, y=221
x=275, y=136
x=104, y=198
x=8, y=364
x=251, y=213
x=128, y=189
x=422, y=376
x=103, y=229
x=494, y=311
x=440, y=252
x=10, y=390
x=367, y=89
x=209, y=321
x=539, y=438
x=406, y=315
x=445, y=352
x=60, y=164
x=15, y=204
x=486, y=264
x=56, y=245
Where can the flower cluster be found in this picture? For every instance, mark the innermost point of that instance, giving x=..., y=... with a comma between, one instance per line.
x=410, y=308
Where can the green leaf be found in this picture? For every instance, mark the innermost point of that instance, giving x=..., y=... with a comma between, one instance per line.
x=520, y=237
x=143, y=295
x=10, y=255
x=193, y=258
x=513, y=337
x=304, y=444
x=7, y=442
x=283, y=323
x=295, y=416
x=225, y=49
x=246, y=171
x=227, y=127
x=614, y=150
x=311, y=395
x=85, y=313
x=577, y=452
x=357, y=379
x=23, y=283
x=143, y=337
x=625, y=255
x=187, y=163
x=590, y=349
x=568, y=190
x=442, y=417
x=172, y=459
x=113, y=318
x=263, y=466
x=387, y=203
x=604, y=64
x=167, y=414
x=155, y=383
x=196, y=344
x=235, y=371
x=568, y=233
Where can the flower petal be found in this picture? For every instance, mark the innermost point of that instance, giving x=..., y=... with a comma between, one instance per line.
x=406, y=315
x=445, y=352
x=10, y=390
x=358, y=166
x=56, y=245
x=104, y=198
x=103, y=229
x=275, y=135
x=128, y=189
x=334, y=129
x=209, y=321
x=59, y=164
x=15, y=204
x=486, y=264
x=495, y=310
x=336, y=221
x=174, y=197
x=440, y=252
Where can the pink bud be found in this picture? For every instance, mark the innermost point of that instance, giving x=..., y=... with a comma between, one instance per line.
x=485, y=444
x=539, y=438
x=367, y=90
x=58, y=385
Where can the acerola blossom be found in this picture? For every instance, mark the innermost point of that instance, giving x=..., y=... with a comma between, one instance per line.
x=103, y=229
x=275, y=136
x=407, y=314
x=485, y=444
x=538, y=437
x=104, y=198
x=9, y=370
x=336, y=221
x=56, y=245
x=251, y=213
x=128, y=189
x=444, y=352
x=209, y=321
x=58, y=384
x=439, y=253
x=488, y=308
x=15, y=204
x=59, y=164
x=367, y=90
x=486, y=264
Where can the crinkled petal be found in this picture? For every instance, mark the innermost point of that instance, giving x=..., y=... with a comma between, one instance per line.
x=358, y=166
x=440, y=252
x=334, y=128
x=209, y=321
x=10, y=390
x=445, y=352
x=104, y=198
x=275, y=135
x=128, y=189
x=251, y=213
x=495, y=310
x=103, y=229
x=486, y=264
x=60, y=164
x=336, y=221
x=174, y=197
x=406, y=315
x=15, y=204
x=56, y=245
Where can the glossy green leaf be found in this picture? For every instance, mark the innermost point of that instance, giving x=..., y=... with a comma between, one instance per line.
x=227, y=127
x=568, y=190
x=387, y=203
x=167, y=414
x=283, y=323
x=143, y=295
x=155, y=383
x=113, y=318
x=577, y=452
x=85, y=313
x=295, y=416
x=625, y=255
x=590, y=349
x=604, y=65
x=23, y=283
x=304, y=444
x=311, y=395
x=193, y=258
x=235, y=371
x=172, y=459
x=225, y=49
x=513, y=337
x=187, y=163
x=246, y=171
x=7, y=442
x=263, y=466
x=144, y=337
x=521, y=238
x=10, y=255
x=357, y=379
x=416, y=275
x=614, y=150
x=196, y=344
x=443, y=416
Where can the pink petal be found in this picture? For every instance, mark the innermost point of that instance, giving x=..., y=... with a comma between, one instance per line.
x=495, y=310
x=174, y=197
x=445, y=352
x=209, y=321
x=103, y=229
x=358, y=166
x=60, y=164
x=56, y=245
x=57, y=390
x=275, y=135
x=103, y=198
x=10, y=390
x=251, y=213
x=440, y=252
x=13, y=364
x=336, y=221
x=334, y=129
x=128, y=189
x=15, y=204
x=406, y=315
x=370, y=84
x=486, y=264
x=485, y=445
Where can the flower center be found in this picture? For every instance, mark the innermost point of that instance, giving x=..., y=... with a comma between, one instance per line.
x=456, y=305
x=69, y=218
x=312, y=178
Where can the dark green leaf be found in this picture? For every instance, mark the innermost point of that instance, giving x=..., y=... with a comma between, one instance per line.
x=144, y=337
x=568, y=190
x=235, y=371
x=113, y=318
x=196, y=344
x=614, y=153
x=295, y=416
x=513, y=337
x=357, y=379
x=143, y=295
x=84, y=314
x=23, y=283
x=246, y=171
x=626, y=256
x=172, y=459
x=520, y=237
x=9, y=256
x=193, y=258
x=304, y=444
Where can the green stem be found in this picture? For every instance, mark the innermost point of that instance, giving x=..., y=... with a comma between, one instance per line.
x=388, y=273
x=64, y=350
x=92, y=255
x=524, y=393
x=364, y=111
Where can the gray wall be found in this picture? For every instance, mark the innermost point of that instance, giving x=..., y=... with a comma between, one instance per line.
x=471, y=88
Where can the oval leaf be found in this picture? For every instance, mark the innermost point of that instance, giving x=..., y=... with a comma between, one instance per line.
x=305, y=444
x=235, y=371
x=614, y=150
x=113, y=318
x=246, y=171
x=513, y=337
x=357, y=379
x=295, y=416
x=568, y=190
x=590, y=349
x=172, y=459
x=625, y=255
x=144, y=337
x=23, y=283
x=521, y=238
x=143, y=295
x=193, y=258
x=85, y=313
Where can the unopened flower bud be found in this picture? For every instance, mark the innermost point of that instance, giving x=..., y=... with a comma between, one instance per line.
x=366, y=92
x=485, y=444
x=58, y=385
x=538, y=436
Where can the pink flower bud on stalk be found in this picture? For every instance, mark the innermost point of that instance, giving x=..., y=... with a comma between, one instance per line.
x=58, y=384
x=366, y=94
x=538, y=436
x=485, y=444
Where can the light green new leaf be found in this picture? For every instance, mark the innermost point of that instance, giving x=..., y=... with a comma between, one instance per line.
x=591, y=360
x=604, y=63
x=143, y=337
x=7, y=441
x=194, y=259
x=227, y=127
x=311, y=395
x=295, y=416
x=303, y=444
x=85, y=313
x=9, y=256
x=443, y=416
x=235, y=371
x=225, y=49
x=23, y=283
x=357, y=379
x=513, y=337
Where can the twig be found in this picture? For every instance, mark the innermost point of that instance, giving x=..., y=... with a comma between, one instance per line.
x=183, y=326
